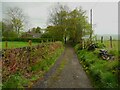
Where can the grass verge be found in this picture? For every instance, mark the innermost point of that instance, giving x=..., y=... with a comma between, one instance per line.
x=103, y=73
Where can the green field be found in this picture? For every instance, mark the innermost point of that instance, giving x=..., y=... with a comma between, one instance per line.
x=15, y=44
x=107, y=44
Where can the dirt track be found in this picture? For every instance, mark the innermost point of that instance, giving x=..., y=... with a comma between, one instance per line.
x=66, y=73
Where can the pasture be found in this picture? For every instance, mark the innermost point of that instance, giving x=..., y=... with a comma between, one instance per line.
x=15, y=44
x=108, y=46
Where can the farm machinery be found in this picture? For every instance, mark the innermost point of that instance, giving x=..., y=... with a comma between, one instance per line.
x=104, y=55
x=102, y=52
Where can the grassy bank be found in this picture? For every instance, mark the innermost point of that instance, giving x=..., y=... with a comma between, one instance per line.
x=103, y=73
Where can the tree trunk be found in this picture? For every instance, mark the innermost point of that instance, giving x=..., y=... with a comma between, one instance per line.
x=65, y=39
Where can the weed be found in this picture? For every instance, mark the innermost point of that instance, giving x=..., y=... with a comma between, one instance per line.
x=15, y=81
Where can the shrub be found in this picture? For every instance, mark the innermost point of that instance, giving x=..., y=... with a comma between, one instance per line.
x=10, y=34
x=100, y=45
x=90, y=61
x=96, y=52
x=77, y=47
x=81, y=55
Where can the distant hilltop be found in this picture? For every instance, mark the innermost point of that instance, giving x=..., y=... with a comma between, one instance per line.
x=107, y=36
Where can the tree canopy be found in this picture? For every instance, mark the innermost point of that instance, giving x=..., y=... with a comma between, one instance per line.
x=68, y=24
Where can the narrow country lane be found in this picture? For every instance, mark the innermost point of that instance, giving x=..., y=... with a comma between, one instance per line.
x=66, y=73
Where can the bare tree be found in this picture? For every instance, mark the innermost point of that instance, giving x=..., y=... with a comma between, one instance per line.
x=16, y=17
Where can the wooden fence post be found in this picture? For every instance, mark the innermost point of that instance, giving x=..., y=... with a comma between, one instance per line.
x=30, y=42
x=101, y=39
x=6, y=44
x=110, y=41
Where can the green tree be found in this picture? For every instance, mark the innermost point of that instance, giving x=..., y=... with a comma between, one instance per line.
x=72, y=24
x=7, y=31
x=33, y=30
x=58, y=18
x=38, y=30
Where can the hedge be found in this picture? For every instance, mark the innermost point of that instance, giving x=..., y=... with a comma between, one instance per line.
x=27, y=39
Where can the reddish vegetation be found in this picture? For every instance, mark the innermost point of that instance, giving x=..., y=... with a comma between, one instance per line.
x=20, y=59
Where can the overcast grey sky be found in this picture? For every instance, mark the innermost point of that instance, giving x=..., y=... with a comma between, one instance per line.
x=105, y=14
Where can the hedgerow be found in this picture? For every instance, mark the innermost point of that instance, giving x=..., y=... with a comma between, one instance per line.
x=32, y=39
x=28, y=64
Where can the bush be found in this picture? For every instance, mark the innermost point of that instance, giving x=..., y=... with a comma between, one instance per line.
x=81, y=55
x=10, y=34
x=77, y=47
x=100, y=45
